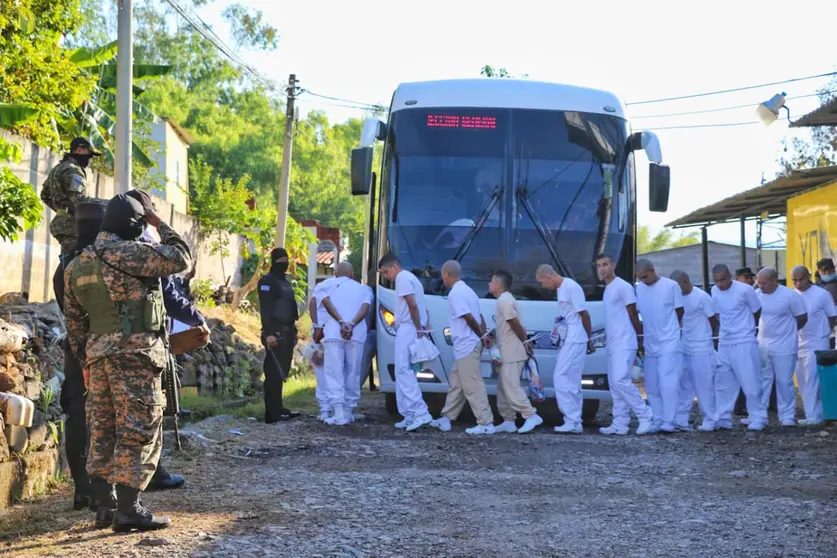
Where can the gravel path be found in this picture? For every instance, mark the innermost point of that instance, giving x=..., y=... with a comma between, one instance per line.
x=305, y=489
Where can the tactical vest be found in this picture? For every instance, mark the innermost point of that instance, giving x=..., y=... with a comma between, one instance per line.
x=106, y=316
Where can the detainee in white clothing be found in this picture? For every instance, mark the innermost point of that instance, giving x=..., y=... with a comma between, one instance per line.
x=660, y=304
x=621, y=329
x=319, y=315
x=783, y=315
x=822, y=318
x=345, y=333
x=467, y=335
x=573, y=347
x=409, y=311
x=700, y=325
x=739, y=365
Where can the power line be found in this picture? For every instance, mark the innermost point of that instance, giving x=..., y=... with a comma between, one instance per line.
x=341, y=100
x=750, y=105
x=733, y=90
x=724, y=125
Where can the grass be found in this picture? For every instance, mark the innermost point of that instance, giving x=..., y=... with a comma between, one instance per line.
x=298, y=395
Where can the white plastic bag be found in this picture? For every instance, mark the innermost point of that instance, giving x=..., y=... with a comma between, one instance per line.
x=423, y=350
x=559, y=332
x=636, y=371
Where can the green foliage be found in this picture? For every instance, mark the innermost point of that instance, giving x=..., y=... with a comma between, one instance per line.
x=492, y=72
x=665, y=238
x=249, y=29
x=819, y=149
x=201, y=290
x=18, y=199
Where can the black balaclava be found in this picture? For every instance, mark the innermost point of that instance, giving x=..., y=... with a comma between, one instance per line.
x=277, y=268
x=124, y=217
x=89, y=218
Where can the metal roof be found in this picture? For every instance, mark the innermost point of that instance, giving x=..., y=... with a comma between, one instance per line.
x=826, y=115
x=770, y=198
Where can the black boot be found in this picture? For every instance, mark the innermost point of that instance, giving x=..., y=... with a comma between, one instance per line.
x=163, y=480
x=81, y=501
x=130, y=514
x=103, y=502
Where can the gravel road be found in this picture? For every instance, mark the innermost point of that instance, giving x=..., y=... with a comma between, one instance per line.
x=305, y=489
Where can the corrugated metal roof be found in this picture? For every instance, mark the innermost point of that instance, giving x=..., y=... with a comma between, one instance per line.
x=770, y=197
x=826, y=115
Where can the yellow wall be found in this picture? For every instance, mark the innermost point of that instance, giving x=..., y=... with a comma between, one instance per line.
x=812, y=227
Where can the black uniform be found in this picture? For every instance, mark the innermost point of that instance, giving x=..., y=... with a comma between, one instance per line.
x=279, y=314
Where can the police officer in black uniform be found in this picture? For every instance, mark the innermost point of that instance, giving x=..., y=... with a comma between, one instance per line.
x=279, y=314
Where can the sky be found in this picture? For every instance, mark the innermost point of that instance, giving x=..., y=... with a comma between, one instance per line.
x=640, y=50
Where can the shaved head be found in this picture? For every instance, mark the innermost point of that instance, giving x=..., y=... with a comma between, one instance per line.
x=768, y=273
x=548, y=277
x=645, y=272
x=344, y=269
x=800, y=270
x=682, y=279
x=545, y=270
x=643, y=264
x=801, y=278
x=451, y=273
x=677, y=275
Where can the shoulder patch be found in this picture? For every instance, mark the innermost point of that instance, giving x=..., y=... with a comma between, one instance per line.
x=78, y=182
x=265, y=288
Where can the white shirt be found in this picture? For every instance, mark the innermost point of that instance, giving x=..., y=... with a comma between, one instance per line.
x=408, y=284
x=820, y=306
x=462, y=300
x=571, y=302
x=322, y=291
x=735, y=307
x=697, y=332
x=656, y=304
x=619, y=330
x=347, y=298
x=777, y=325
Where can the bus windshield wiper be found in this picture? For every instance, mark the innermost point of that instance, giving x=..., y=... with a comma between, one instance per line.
x=523, y=198
x=482, y=219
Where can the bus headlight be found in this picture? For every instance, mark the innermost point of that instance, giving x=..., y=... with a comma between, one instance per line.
x=599, y=339
x=387, y=319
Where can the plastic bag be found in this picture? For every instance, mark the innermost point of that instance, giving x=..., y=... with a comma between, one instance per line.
x=314, y=353
x=423, y=350
x=496, y=359
x=559, y=332
x=636, y=371
x=530, y=373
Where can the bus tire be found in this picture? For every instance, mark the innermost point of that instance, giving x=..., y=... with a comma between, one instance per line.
x=589, y=410
x=390, y=404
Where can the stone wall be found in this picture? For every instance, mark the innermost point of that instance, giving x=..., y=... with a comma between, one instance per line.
x=28, y=263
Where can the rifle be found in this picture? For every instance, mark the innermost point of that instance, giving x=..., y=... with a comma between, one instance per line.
x=171, y=385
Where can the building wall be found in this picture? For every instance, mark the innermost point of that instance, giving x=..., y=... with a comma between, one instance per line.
x=172, y=168
x=812, y=224
x=688, y=259
x=29, y=263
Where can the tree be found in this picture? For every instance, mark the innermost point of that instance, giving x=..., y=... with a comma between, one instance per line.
x=492, y=72
x=820, y=149
x=665, y=238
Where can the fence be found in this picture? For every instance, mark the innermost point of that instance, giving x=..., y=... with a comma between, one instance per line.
x=29, y=263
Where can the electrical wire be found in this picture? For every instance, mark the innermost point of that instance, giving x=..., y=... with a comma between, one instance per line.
x=705, y=111
x=341, y=100
x=733, y=90
x=723, y=125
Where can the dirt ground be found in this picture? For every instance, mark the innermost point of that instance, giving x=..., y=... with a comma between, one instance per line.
x=305, y=489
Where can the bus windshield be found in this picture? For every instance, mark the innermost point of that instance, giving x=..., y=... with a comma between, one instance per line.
x=506, y=189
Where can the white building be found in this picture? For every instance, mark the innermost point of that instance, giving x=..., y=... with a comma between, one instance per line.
x=172, y=158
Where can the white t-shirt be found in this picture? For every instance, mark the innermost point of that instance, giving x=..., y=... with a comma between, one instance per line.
x=347, y=298
x=321, y=291
x=735, y=307
x=408, y=284
x=656, y=304
x=820, y=306
x=777, y=325
x=697, y=332
x=462, y=300
x=571, y=302
x=619, y=330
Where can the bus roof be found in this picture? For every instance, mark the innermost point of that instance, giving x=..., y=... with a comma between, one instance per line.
x=505, y=93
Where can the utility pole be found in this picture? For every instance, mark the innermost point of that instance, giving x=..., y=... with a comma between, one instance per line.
x=285, y=176
x=124, y=96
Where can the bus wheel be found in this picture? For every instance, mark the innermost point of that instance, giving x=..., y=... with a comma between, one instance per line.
x=390, y=404
x=589, y=410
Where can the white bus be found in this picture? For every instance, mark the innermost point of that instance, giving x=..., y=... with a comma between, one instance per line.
x=502, y=174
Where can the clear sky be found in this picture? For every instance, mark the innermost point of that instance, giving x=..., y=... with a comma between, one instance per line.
x=642, y=49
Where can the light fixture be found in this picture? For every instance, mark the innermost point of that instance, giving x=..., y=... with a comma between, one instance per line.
x=768, y=111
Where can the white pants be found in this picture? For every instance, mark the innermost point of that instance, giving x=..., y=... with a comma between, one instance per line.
x=740, y=367
x=566, y=379
x=698, y=378
x=366, y=359
x=809, y=379
x=342, y=372
x=407, y=392
x=662, y=383
x=626, y=396
x=780, y=367
x=320, y=392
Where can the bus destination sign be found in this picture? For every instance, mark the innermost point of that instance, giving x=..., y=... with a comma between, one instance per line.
x=461, y=121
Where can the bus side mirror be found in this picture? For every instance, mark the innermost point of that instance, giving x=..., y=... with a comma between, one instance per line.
x=361, y=170
x=659, y=178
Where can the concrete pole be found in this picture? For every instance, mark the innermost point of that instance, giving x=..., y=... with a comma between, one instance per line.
x=285, y=176
x=124, y=96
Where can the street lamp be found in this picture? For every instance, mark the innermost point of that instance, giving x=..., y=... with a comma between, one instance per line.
x=768, y=111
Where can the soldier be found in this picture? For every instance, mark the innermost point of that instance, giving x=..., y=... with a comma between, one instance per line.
x=279, y=314
x=89, y=216
x=64, y=189
x=116, y=325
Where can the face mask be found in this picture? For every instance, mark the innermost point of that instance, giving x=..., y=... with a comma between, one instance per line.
x=83, y=160
x=829, y=277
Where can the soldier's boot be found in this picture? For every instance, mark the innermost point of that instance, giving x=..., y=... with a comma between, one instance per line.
x=131, y=515
x=103, y=502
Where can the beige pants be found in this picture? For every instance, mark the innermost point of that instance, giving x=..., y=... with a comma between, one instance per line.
x=511, y=399
x=466, y=384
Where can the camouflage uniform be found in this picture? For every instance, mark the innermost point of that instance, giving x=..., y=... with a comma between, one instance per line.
x=125, y=401
x=62, y=191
